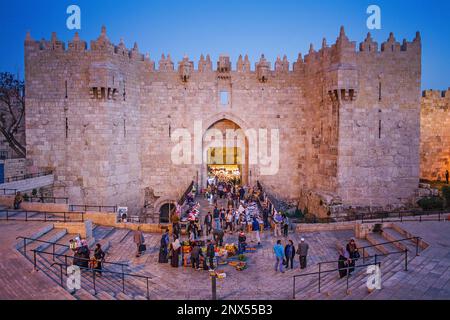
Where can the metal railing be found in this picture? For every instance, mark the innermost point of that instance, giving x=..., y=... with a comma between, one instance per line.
x=14, y=215
x=28, y=176
x=122, y=274
x=53, y=200
x=54, y=254
x=85, y=207
x=8, y=192
x=406, y=216
x=416, y=239
x=375, y=262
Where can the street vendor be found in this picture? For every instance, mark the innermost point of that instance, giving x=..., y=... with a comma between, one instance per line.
x=210, y=254
x=218, y=236
x=242, y=242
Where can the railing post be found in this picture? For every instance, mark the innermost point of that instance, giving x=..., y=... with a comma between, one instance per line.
x=213, y=287
x=376, y=256
x=406, y=259
x=320, y=267
x=293, y=290
x=65, y=260
x=148, y=293
x=348, y=276
x=34, y=259
x=53, y=251
x=364, y=255
x=26, y=215
x=45, y=216
x=123, y=282
x=62, y=284
x=64, y=217
x=7, y=215
x=417, y=246
x=25, y=246
x=93, y=275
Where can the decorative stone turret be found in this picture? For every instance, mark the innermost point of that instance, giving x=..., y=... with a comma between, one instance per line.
x=263, y=69
x=185, y=68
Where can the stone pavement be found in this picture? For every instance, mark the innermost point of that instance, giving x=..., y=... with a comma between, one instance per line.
x=18, y=280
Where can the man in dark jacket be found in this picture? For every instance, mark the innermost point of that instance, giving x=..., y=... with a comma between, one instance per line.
x=139, y=240
x=208, y=223
x=289, y=253
x=302, y=251
x=195, y=256
x=216, y=217
x=241, y=242
x=210, y=253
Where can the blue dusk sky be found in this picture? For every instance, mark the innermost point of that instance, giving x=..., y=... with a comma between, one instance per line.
x=193, y=27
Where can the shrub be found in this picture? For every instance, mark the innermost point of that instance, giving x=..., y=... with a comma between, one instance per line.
x=26, y=197
x=446, y=195
x=431, y=203
x=34, y=193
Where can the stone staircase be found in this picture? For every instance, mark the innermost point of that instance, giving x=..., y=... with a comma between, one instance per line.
x=107, y=287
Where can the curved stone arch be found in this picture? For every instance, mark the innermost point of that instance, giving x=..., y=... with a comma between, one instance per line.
x=162, y=201
x=208, y=123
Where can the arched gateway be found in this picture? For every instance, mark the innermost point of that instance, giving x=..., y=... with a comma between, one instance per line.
x=225, y=152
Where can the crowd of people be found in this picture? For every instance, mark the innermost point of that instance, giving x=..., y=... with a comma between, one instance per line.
x=82, y=255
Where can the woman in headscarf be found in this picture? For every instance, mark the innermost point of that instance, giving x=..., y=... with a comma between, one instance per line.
x=164, y=247
x=175, y=248
x=343, y=262
x=353, y=254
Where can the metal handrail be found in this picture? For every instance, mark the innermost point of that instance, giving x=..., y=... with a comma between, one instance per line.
x=85, y=207
x=4, y=191
x=94, y=271
x=62, y=255
x=28, y=176
x=42, y=199
x=381, y=254
x=328, y=271
x=48, y=216
x=376, y=262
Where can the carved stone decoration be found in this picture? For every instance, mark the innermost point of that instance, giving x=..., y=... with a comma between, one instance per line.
x=185, y=68
x=263, y=69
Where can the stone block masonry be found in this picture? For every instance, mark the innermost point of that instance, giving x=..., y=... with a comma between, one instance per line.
x=348, y=118
x=435, y=135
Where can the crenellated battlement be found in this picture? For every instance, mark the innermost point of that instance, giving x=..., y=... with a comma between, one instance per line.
x=436, y=94
x=342, y=50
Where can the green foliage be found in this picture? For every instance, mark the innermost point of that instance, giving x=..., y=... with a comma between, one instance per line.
x=34, y=192
x=242, y=257
x=26, y=197
x=446, y=195
x=431, y=203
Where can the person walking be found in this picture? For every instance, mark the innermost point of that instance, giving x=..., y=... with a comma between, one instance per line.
x=256, y=229
x=99, y=257
x=279, y=254
x=210, y=253
x=139, y=240
x=216, y=218
x=302, y=252
x=229, y=221
x=278, y=220
x=222, y=218
x=289, y=253
x=208, y=223
x=195, y=256
x=266, y=217
x=285, y=225
x=175, y=248
x=164, y=247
